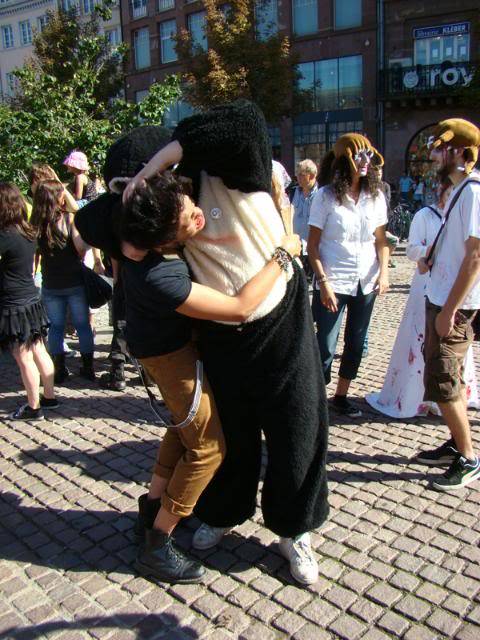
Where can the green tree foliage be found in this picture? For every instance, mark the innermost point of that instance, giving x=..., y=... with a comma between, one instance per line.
x=56, y=112
x=67, y=44
x=239, y=61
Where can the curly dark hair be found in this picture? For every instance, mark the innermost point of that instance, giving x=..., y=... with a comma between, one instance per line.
x=337, y=173
x=151, y=216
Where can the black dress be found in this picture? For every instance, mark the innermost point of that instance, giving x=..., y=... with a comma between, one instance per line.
x=23, y=319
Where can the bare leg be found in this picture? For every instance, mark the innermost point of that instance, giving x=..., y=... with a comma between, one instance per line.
x=165, y=521
x=455, y=415
x=343, y=386
x=45, y=367
x=28, y=370
x=157, y=487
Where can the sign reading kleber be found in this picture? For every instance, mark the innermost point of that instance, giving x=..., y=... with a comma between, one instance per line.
x=456, y=29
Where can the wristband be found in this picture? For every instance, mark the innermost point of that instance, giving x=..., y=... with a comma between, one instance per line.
x=282, y=258
x=322, y=279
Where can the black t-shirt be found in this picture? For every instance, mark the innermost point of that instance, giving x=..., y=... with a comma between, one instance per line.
x=61, y=266
x=16, y=268
x=153, y=288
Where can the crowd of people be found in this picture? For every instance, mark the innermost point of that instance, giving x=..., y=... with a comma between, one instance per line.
x=211, y=267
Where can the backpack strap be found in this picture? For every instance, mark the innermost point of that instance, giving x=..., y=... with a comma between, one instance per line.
x=433, y=210
x=453, y=202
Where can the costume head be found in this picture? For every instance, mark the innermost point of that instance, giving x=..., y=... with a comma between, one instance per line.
x=455, y=133
x=350, y=145
x=76, y=160
x=130, y=153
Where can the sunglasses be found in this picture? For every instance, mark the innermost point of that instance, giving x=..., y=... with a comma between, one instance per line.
x=366, y=154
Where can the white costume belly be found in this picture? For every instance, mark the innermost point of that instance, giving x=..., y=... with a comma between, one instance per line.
x=241, y=232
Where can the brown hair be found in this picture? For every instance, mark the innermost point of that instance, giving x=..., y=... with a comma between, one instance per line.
x=13, y=211
x=47, y=210
x=337, y=173
x=40, y=173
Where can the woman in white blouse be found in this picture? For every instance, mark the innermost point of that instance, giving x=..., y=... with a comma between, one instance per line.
x=348, y=252
x=402, y=392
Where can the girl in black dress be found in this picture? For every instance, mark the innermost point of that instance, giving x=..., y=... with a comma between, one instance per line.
x=23, y=321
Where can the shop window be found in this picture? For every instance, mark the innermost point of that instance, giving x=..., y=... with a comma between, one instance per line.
x=168, y=30
x=452, y=48
x=348, y=14
x=141, y=40
x=305, y=17
x=314, y=140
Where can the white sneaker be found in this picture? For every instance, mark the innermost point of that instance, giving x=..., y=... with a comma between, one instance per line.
x=206, y=537
x=298, y=551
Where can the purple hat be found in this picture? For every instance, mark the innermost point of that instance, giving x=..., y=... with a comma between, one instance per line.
x=77, y=160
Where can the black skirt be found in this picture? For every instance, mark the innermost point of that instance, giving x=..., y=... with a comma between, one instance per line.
x=22, y=324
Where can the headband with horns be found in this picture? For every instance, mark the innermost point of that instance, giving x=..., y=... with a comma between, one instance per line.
x=352, y=144
x=455, y=133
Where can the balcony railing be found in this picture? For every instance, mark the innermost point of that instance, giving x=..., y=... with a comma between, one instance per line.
x=423, y=80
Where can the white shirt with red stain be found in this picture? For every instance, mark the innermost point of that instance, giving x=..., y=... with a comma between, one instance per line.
x=463, y=223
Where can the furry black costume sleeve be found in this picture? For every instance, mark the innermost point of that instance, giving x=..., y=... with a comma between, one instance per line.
x=230, y=142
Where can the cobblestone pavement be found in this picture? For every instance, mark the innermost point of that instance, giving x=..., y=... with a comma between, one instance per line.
x=397, y=560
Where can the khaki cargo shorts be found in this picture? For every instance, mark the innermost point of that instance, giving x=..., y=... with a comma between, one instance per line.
x=444, y=357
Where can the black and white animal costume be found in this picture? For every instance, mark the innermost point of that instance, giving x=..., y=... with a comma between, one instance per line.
x=266, y=373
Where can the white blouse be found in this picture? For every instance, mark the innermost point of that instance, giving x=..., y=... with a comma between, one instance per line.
x=347, y=246
x=423, y=230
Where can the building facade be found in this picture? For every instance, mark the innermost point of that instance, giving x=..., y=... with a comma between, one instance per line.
x=430, y=56
x=20, y=19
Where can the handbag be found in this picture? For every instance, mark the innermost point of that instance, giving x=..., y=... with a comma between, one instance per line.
x=98, y=291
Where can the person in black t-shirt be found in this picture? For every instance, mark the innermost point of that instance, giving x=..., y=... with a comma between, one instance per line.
x=62, y=251
x=160, y=300
x=23, y=321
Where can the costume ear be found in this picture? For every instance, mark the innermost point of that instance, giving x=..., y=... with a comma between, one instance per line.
x=378, y=158
x=117, y=185
x=471, y=156
x=445, y=137
x=349, y=155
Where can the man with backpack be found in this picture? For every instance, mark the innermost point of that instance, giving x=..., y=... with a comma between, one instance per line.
x=452, y=299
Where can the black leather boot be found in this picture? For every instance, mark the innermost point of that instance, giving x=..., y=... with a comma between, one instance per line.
x=61, y=372
x=115, y=378
x=159, y=559
x=86, y=370
x=147, y=512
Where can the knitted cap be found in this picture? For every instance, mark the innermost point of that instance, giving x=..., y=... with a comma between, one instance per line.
x=455, y=133
x=130, y=153
x=350, y=144
x=77, y=160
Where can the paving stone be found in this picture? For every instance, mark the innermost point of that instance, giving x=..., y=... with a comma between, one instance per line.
x=464, y=586
x=444, y=622
x=312, y=632
x=347, y=627
x=357, y=581
x=264, y=610
x=384, y=594
x=258, y=631
x=289, y=623
x=232, y=619
x=393, y=623
x=467, y=632
x=320, y=612
x=340, y=597
x=413, y=608
x=366, y=610
x=417, y=632
x=403, y=580
x=293, y=598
